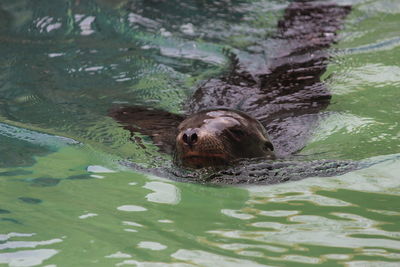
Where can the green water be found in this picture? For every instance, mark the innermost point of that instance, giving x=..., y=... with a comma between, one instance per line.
x=66, y=201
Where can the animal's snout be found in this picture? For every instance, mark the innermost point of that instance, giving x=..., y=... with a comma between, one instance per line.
x=190, y=136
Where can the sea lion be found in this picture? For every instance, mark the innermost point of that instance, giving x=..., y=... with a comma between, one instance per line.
x=284, y=96
x=218, y=137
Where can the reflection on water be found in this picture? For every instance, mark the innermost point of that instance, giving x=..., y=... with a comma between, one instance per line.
x=31, y=257
x=27, y=257
x=65, y=63
x=163, y=193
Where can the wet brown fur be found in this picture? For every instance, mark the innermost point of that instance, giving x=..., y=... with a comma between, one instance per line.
x=223, y=135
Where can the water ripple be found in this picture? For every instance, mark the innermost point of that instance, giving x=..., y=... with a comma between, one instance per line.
x=27, y=257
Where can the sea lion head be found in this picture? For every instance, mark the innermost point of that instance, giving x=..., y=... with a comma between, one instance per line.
x=217, y=137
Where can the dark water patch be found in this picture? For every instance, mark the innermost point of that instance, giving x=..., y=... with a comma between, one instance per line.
x=30, y=200
x=4, y=211
x=321, y=250
x=391, y=227
x=45, y=181
x=80, y=177
x=10, y=220
x=15, y=173
x=17, y=153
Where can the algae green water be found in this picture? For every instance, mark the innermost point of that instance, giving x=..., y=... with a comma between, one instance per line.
x=66, y=201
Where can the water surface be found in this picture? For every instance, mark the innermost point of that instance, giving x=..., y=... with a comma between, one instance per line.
x=66, y=201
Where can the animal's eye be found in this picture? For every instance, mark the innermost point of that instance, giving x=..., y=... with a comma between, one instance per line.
x=237, y=132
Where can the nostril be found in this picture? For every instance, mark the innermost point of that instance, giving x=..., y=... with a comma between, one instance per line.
x=190, y=137
x=193, y=138
x=185, y=138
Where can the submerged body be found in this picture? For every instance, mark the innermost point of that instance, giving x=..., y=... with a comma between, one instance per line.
x=284, y=98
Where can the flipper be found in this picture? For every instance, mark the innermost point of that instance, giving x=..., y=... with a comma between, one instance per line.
x=160, y=125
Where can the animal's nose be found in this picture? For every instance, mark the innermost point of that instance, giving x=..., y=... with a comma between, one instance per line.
x=190, y=137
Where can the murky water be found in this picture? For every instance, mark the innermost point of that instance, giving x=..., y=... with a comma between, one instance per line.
x=66, y=201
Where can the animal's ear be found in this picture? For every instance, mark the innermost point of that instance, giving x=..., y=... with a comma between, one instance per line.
x=268, y=146
x=160, y=125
